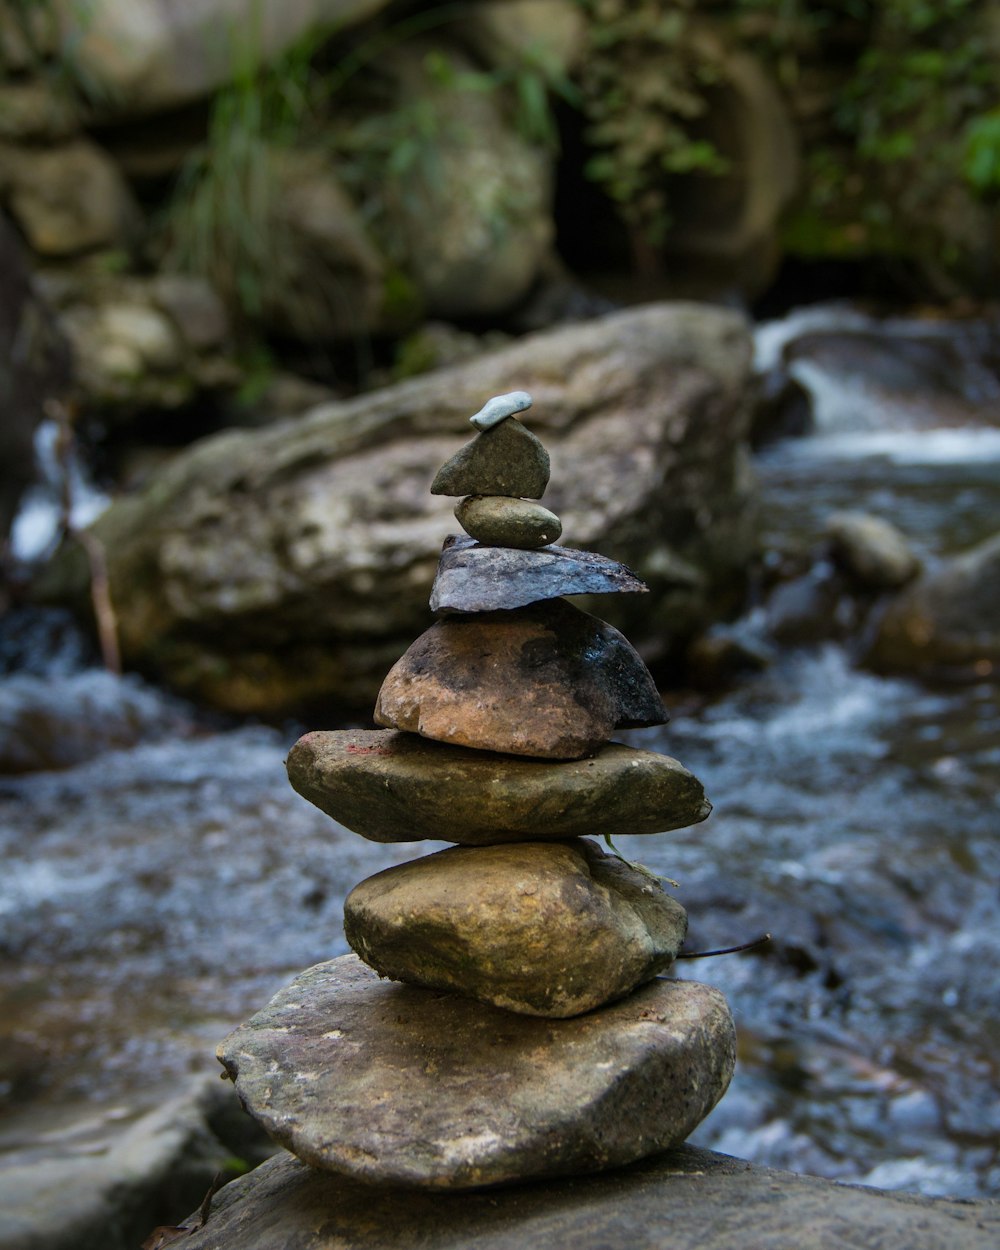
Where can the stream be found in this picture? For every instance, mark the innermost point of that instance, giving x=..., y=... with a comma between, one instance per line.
x=164, y=880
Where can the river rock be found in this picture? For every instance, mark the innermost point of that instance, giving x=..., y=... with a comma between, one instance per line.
x=471, y=578
x=506, y=459
x=686, y=1198
x=547, y=681
x=397, y=787
x=499, y=408
x=498, y=521
x=285, y=568
x=541, y=928
x=397, y=1085
x=871, y=550
x=948, y=621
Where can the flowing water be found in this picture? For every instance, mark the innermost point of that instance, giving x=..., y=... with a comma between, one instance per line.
x=161, y=879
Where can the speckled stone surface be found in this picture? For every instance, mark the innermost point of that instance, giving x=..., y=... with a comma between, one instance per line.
x=504, y=460
x=542, y=928
x=547, y=681
x=471, y=578
x=398, y=787
x=503, y=522
x=403, y=1086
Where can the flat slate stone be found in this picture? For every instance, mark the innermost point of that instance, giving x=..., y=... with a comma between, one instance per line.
x=547, y=681
x=473, y=578
x=503, y=522
x=506, y=459
x=398, y=787
x=403, y=1086
x=684, y=1199
x=542, y=928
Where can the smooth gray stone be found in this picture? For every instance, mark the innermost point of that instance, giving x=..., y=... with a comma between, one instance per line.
x=499, y=521
x=684, y=1199
x=473, y=578
x=499, y=408
x=403, y=1086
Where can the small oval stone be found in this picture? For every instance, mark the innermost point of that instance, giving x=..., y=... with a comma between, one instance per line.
x=499, y=521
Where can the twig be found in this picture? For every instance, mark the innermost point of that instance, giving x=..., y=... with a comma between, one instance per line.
x=727, y=950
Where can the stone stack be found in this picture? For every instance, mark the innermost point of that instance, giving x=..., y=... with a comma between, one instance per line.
x=532, y=1034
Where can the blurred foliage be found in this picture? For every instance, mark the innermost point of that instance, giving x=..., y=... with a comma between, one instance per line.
x=642, y=84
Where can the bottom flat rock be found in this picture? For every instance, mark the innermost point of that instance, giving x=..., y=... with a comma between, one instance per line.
x=400, y=1085
x=686, y=1199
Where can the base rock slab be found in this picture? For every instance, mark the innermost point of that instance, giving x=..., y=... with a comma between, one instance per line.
x=396, y=1085
x=686, y=1199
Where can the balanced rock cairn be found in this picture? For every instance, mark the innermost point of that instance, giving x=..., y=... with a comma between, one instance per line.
x=532, y=1034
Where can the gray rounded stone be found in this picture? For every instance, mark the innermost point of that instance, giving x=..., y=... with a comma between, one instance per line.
x=404, y=1086
x=398, y=787
x=871, y=550
x=542, y=928
x=499, y=521
x=504, y=460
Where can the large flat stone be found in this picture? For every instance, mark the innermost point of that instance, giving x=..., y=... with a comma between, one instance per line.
x=547, y=681
x=685, y=1199
x=471, y=578
x=542, y=928
x=397, y=787
x=397, y=1085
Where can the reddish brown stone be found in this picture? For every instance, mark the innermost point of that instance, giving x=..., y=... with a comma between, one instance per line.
x=547, y=681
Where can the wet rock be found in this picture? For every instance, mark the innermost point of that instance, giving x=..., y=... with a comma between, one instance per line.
x=547, y=681
x=506, y=459
x=68, y=199
x=252, y=572
x=482, y=579
x=541, y=928
x=871, y=550
x=104, y=1177
x=396, y=787
x=948, y=621
x=687, y=1199
x=499, y=521
x=398, y=1085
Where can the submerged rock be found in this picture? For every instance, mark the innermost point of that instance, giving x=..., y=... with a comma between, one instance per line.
x=402, y=1086
x=397, y=787
x=948, y=621
x=541, y=928
x=547, y=681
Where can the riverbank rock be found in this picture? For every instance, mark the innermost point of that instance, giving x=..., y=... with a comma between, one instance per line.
x=545, y=929
x=396, y=787
x=871, y=550
x=396, y=1085
x=266, y=570
x=687, y=1199
x=547, y=681
x=947, y=623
